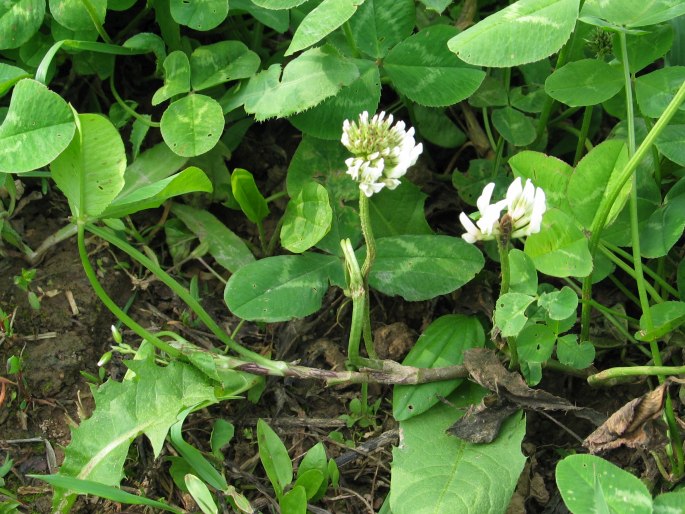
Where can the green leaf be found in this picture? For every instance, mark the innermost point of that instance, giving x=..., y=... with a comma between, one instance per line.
x=222, y=434
x=524, y=277
x=634, y=13
x=514, y=126
x=644, y=49
x=399, y=212
x=666, y=317
x=671, y=143
x=73, y=14
x=663, y=228
x=9, y=76
x=278, y=4
x=294, y=501
x=325, y=120
x=277, y=20
x=199, y=14
x=535, y=343
x=264, y=290
x=176, y=77
x=321, y=21
x=325, y=71
x=581, y=477
x=559, y=304
x=586, y=82
x=148, y=403
x=547, y=172
x=422, y=68
x=19, y=21
x=559, y=249
x=307, y=218
x=90, y=172
x=323, y=161
x=315, y=460
x=275, y=459
x=669, y=503
x=248, y=196
x=570, y=353
x=192, y=125
x=379, y=25
x=228, y=249
x=442, y=344
x=421, y=267
x=655, y=90
x=200, y=493
x=190, y=180
x=436, y=5
x=596, y=174
x=38, y=126
x=510, y=314
x=525, y=31
x=311, y=481
x=215, y=64
x=436, y=127
x=435, y=472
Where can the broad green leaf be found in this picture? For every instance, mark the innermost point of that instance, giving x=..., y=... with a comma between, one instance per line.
x=524, y=277
x=514, y=126
x=422, y=68
x=90, y=172
x=321, y=21
x=528, y=98
x=148, y=403
x=433, y=472
x=277, y=20
x=664, y=227
x=581, y=477
x=586, y=82
x=73, y=13
x=9, y=76
x=19, y=21
x=307, y=218
x=323, y=161
x=315, y=460
x=399, y=212
x=535, y=343
x=275, y=458
x=436, y=127
x=559, y=304
x=436, y=5
x=525, y=31
x=510, y=311
x=669, y=503
x=227, y=248
x=421, y=267
x=442, y=344
x=247, y=195
x=190, y=180
x=379, y=25
x=200, y=493
x=634, y=13
x=666, y=317
x=596, y=174
x=311, y=481
x=176, y=77
x=222, y=434
x=547, y=172
x=278, y=4
x=199, y=14
x=38, y=126
x=192, y=125
x=345, y=224
x=469, y=185
x=560, y=249
x=215, y=64
x=153, y=165
x=325, y=120
x=307, y=80
x=644, y=49
x=149, y=42
x=490, y=93
x=266, y=290
x=294, y=501
x=570, y=353
x=655, y=90
x=671, y=143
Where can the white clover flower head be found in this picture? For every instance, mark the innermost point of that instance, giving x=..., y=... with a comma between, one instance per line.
x=525, y=205
x=382, y=153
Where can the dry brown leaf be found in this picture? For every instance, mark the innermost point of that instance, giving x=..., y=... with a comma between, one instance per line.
x=629, y=425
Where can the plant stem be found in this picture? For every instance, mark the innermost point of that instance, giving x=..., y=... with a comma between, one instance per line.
x=611, y=374
x=632, y=272
x=584, y=128
x=127, y=108
x=503, y=247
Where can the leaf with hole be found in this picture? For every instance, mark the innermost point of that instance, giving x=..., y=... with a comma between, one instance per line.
x=192, y=125
x=571, y=353
x=510, y=311
x=199, y=14
x=535, y=343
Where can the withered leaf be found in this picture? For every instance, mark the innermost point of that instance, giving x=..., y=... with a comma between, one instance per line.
x=629, y=425
x=482, y=422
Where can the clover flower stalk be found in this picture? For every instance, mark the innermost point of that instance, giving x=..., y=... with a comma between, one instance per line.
x=381, y=155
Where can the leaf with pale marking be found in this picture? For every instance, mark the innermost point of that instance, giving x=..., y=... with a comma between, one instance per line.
x=634, y=13
x=176, y=77
x=307, y=218
x=586, y=82
x=73, y=14
x=215, y=64
x=192, y=125
x=321, y=21
x=379, y=25
x=199, y=14
x=19, y=21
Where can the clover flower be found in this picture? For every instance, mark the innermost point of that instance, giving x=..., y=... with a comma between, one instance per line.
x=524, y=205
x=382, y=153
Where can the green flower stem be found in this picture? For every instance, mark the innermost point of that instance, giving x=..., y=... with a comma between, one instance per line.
x=503, y=247
x=94, y=18
x=611, y=196
x=277, y=366
x=630, y=271
x=654, y=275
x=110, y=304
x=626, y=292
x=488, y=129
x=365, y=218
x=127, y=108
x=584, y=128
x=614, y=374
